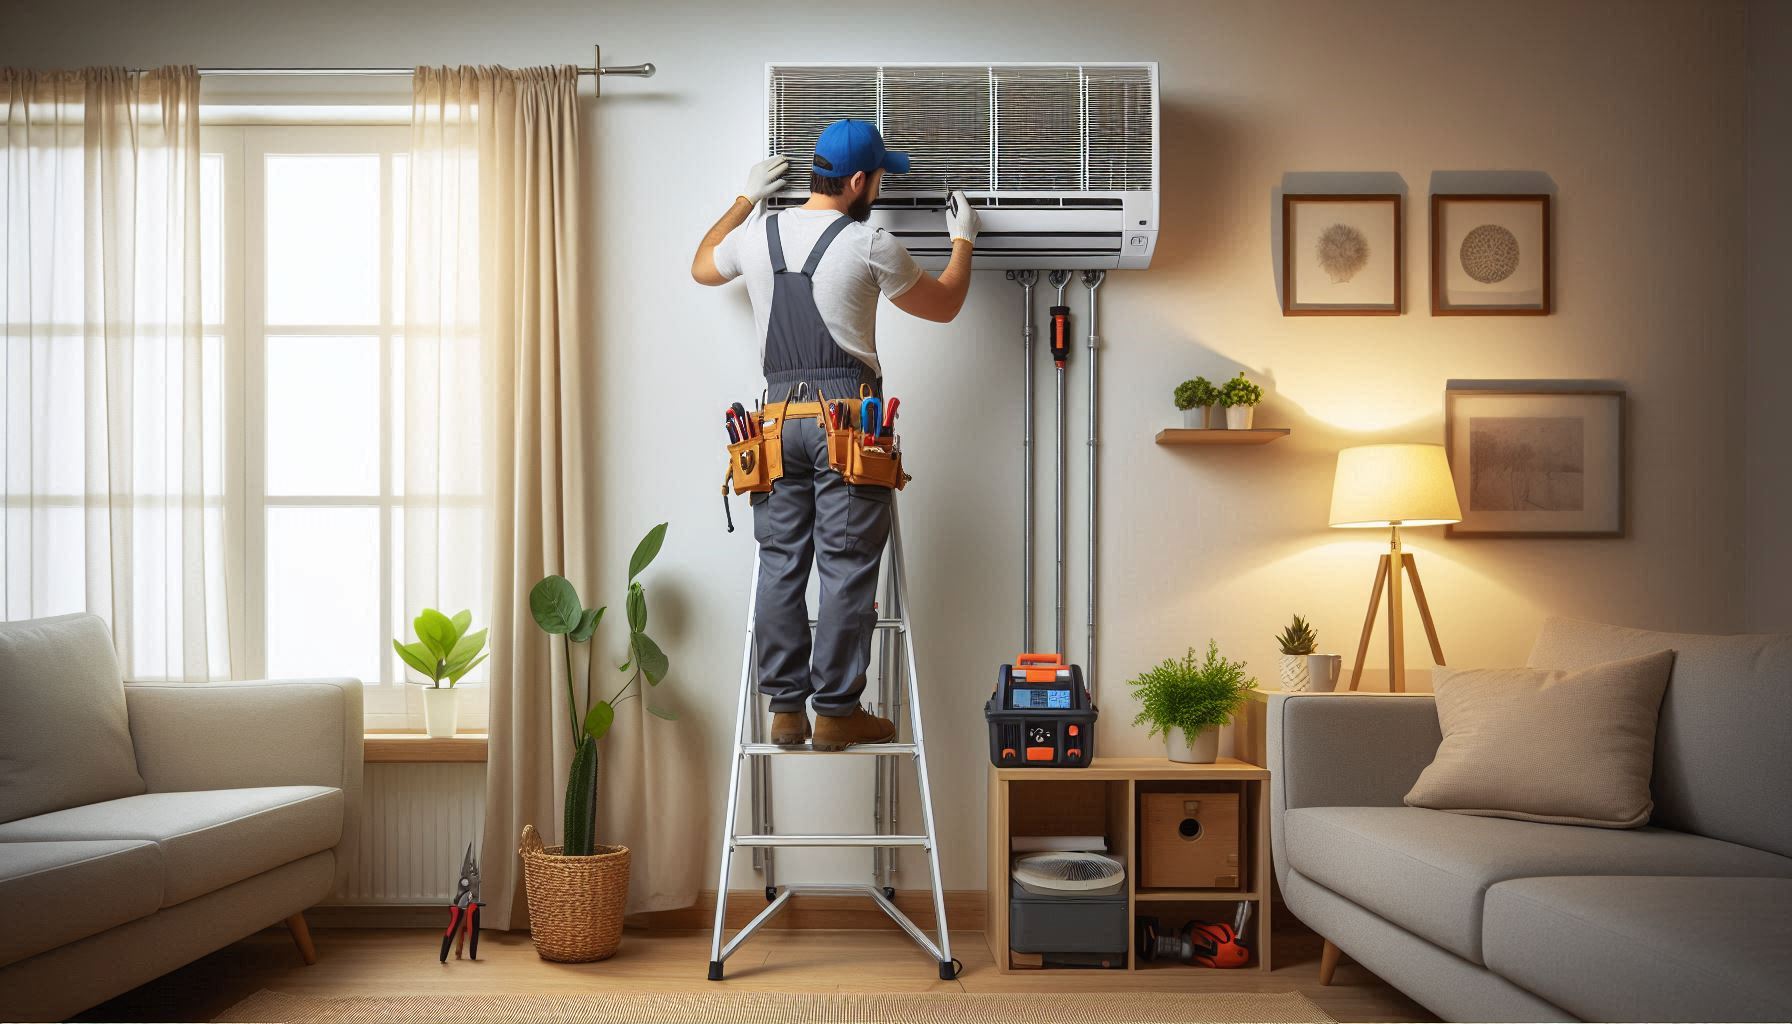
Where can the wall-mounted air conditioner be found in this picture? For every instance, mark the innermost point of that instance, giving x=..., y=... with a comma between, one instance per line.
x=1060, y=159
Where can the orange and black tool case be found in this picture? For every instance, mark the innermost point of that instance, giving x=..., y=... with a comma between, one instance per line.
x=1040, y=715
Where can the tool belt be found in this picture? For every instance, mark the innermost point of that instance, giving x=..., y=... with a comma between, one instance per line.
x=755, y=463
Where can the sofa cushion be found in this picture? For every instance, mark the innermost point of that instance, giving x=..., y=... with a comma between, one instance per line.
x=1567, y=747
x=52, y=894
x=208, y=839
x=1429, y=871
x=64, y=736
x=1646, y=948
x=1725, y=725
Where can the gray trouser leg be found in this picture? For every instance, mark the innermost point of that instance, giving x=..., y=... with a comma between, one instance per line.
x=811, y=512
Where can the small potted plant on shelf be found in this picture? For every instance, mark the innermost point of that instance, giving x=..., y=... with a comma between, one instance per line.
x=1296, y=641
x=1195, y=398
x=577, y=890
x=1240, y=397
x=1188, y=699
x=443, y=653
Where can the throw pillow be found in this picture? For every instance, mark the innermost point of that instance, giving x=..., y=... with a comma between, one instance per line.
x=1570, y=748
x=65, y=738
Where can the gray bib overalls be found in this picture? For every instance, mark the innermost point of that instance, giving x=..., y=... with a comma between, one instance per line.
x=811, y=514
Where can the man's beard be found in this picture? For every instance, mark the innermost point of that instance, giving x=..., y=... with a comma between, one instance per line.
x=860, y=209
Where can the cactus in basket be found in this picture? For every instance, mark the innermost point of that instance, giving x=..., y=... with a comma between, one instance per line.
x=1296, y=641
x=558, y=611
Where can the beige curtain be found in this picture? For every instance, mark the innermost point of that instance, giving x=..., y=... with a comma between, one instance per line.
x=113, y=470
x=494, y=283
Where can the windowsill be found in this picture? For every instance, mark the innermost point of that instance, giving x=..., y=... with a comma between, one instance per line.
x=419, y=748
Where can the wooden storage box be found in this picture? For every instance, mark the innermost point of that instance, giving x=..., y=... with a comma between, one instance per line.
x=1189, y=841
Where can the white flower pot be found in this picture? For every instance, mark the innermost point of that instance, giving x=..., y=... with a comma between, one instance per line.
x=441, y=711
x=1196, y=418
x=1238, y=417
x=1294, y=672
x=1204, y=750
x=1323, y=671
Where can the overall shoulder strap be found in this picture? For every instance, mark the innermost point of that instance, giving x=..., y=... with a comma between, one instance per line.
x=774, y=244
x=822, y=243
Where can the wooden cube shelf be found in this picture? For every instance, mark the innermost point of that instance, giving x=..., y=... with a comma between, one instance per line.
x=1104, y=799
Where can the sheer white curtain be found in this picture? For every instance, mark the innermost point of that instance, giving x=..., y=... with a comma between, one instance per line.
x=112, y=427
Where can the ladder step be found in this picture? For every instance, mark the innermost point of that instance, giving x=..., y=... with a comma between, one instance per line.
x=895, y=624
x=880, y=749
x=798, y=839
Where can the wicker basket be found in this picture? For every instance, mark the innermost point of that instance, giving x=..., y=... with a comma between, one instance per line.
x=575, y=903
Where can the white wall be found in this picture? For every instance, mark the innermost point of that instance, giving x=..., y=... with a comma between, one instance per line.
x=1633, y=111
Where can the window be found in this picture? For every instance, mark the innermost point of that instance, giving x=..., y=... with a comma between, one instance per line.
x=304, y=290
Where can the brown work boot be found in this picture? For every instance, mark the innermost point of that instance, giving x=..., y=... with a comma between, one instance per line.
x=790, y=728
x=861, y=726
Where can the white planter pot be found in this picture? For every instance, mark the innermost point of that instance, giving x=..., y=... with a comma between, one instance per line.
x=1196, y=418
x=1294, y=672
x=1204, y=750
x=441, y=711
x=1323, y=671
x=1238, y=417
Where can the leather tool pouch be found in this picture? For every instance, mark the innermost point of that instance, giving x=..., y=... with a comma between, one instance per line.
x=757, y=462
x=878, y=466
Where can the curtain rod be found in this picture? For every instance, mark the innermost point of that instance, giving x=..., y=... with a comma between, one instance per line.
x=597, y=70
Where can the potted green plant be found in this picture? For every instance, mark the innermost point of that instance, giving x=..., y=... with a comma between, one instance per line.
x=1297, y=641
x=1240, y=397
x=443, y=653
x=578, y=889
x=1195, y=398
x=1188, y=700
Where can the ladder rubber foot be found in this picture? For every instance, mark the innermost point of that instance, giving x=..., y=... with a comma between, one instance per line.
x=715, y=970
x=947, y=971
x=771, y=893
x=889, y=892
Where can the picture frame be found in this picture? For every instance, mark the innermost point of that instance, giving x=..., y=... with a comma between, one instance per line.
x=1343, y=255
x=1537, y=459
x=1481, y=248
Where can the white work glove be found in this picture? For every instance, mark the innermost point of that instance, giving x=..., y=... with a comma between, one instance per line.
x=766, y=178
x=961, y=218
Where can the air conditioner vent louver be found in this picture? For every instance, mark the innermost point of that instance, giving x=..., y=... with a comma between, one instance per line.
x=1061, y=159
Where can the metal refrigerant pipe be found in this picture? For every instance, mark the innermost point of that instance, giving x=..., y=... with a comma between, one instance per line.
x=1060, y=330
x=1092, y=280
x=1026, y=279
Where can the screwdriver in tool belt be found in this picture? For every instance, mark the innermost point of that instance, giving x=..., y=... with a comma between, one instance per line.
x=746, y=421
x=890, y=416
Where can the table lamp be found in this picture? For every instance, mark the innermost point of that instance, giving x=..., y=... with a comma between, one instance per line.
x=1394, y=485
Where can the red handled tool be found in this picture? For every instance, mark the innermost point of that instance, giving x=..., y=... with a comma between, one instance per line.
x=463, y=913
x=737, y=424
x=746, y=421
x=890, y=415
x=1060, y=313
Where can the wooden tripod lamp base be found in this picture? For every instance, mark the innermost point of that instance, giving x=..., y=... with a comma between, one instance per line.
x=1387, y=577
x=1394, y=485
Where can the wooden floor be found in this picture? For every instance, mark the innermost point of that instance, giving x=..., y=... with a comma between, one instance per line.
x=354, y=961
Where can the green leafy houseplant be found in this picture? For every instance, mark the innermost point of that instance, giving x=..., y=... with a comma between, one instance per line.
x=558, y=611
x=1298, y=638
x=443, y=650
x=1190, y=694
x=1196, y=394
x=1240, y=391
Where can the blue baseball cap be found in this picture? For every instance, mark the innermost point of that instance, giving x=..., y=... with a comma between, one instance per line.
x=848, y=146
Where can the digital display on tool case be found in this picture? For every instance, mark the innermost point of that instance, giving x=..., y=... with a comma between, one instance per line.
x=1020, y=697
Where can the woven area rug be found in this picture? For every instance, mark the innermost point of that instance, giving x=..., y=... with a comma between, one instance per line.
x=786, y=1008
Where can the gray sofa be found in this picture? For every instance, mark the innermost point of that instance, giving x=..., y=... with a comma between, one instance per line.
x=1688, y=918
x=143, y=826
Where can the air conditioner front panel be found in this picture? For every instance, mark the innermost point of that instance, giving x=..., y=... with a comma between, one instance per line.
x=1060, y=159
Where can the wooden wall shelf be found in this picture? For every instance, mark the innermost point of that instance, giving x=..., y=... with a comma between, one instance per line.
x=417, y=748
x=1184, y=436
x=1104, y=799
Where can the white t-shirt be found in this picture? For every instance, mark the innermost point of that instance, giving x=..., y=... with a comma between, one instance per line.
x=861, y=263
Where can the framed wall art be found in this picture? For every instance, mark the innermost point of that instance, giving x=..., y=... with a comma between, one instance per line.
x=1490, y=255
x=1536, y=458
x=1341, y=255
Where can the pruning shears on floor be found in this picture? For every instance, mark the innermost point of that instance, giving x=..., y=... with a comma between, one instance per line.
x=463, y=913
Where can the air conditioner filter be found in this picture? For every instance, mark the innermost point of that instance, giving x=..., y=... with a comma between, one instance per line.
x=1069, y=874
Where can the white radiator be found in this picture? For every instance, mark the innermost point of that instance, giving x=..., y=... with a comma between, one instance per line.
x=416, y=822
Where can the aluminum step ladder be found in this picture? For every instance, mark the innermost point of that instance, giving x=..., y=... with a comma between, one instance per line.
x=895, y=656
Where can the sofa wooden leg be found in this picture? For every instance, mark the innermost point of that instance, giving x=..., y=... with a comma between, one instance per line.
x=301, y=937
x=1328, y=962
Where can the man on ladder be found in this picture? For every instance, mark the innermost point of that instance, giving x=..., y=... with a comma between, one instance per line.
x=817, y=327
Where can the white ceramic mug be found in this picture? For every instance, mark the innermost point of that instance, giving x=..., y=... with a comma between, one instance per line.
x=1323, y=671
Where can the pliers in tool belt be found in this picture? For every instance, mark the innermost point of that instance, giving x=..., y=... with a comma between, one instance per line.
x=463, y=913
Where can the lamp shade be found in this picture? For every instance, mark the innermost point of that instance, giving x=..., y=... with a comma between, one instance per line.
x=1394, y=485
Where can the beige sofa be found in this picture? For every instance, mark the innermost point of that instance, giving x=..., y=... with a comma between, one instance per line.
x=143, y=826
x=1687, y=918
